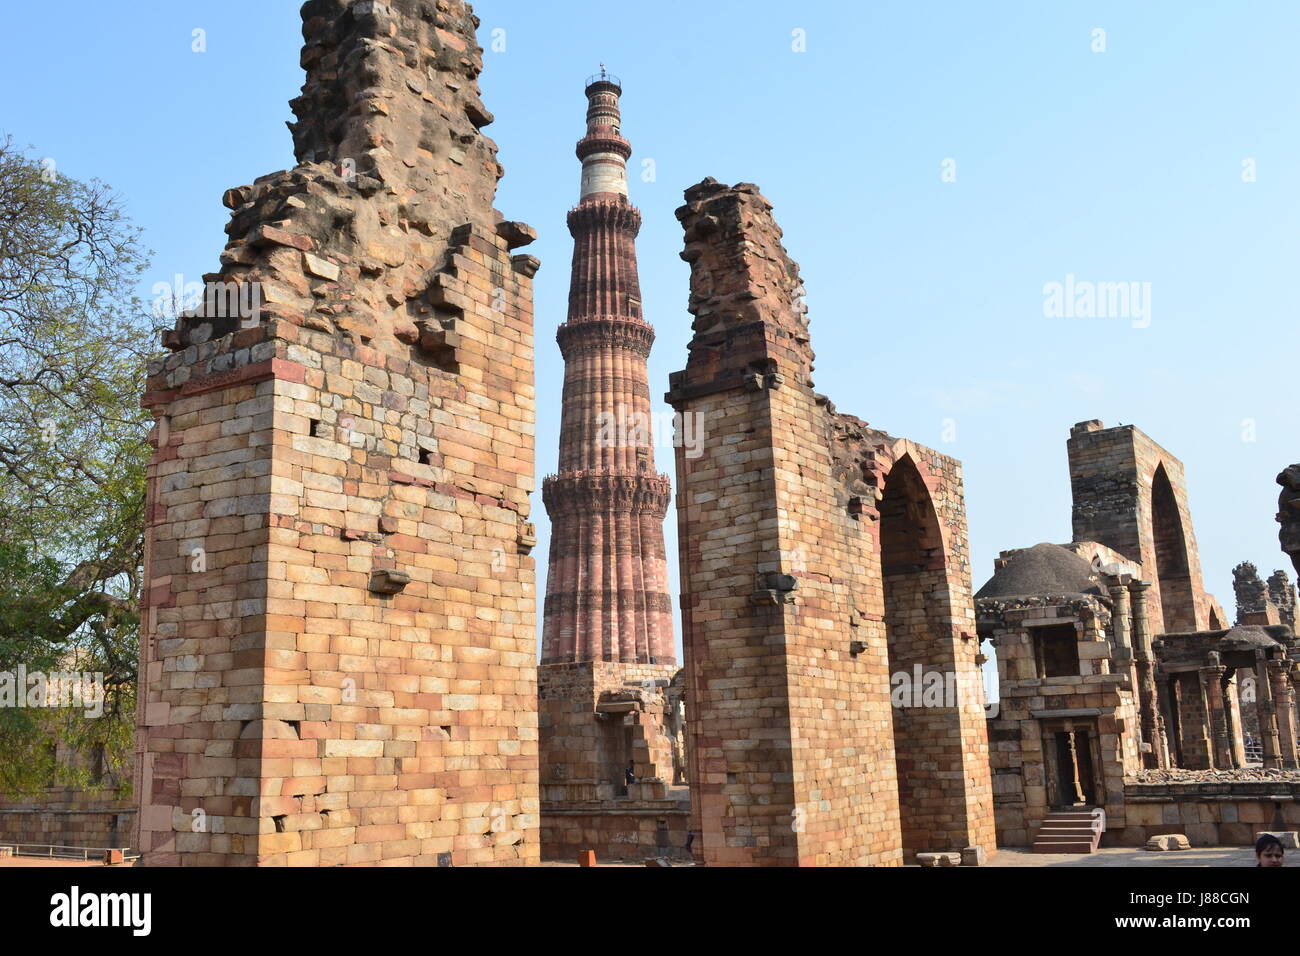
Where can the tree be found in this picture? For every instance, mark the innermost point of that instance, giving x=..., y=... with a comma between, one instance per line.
x=74, y=342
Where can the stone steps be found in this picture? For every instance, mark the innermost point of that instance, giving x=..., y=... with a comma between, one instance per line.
x=1070, y=831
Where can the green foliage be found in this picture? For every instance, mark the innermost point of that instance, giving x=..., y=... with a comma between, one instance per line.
x=74, y=340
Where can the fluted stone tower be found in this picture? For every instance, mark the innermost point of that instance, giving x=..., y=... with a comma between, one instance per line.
x=609, y=712
x=607, y=589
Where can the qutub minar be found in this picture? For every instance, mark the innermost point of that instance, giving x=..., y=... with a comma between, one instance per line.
x=610, y=712
x=607, y=588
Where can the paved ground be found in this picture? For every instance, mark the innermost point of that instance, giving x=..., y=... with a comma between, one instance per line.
x=1112, y=857
x=44, y=861
x=1126, y=857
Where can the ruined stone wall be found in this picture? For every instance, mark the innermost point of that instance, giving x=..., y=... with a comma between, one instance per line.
x=576, y=705
x=1211, y=813
x=67, y=818
x=338, y=663
x=594, y=717
x=1130, y=494
x=787, y=651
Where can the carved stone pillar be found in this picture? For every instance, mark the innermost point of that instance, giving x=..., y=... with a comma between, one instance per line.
x=1284, y=712
x=1122, y=620
x=1146, y=678
x=1078, y=796
x=1216, y=718
x=1235, y=731
x=1264, y=707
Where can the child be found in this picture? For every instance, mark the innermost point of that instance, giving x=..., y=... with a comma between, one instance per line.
x=1268, y=850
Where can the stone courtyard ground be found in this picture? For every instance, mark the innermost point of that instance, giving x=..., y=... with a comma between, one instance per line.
x=1125, y=857
x=1129, y=857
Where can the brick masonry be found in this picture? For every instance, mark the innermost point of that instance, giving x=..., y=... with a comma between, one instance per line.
x=818, y=557
x=67, y=818
x=338, y=663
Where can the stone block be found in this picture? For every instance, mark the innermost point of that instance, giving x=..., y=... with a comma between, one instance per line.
x=1169, y=841
x=974, y=856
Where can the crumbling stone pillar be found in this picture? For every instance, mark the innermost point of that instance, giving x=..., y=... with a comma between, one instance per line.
x=338, y=648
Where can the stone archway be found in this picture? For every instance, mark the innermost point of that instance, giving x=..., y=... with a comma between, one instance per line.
x=932, y=724
x=1172, y=572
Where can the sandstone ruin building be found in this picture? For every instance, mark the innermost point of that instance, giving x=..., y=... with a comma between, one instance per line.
x=1117, y=672
x=818, y=557
x=338, y=662
x=610, y=711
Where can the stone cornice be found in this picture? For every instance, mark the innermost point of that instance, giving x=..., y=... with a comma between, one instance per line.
x=589, y=492
x=605, y=333
x=604, y=214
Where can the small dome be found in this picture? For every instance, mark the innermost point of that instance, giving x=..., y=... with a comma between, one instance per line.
x=1041, y=570
x=1246, y=637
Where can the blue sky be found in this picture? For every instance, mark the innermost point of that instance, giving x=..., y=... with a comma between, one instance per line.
x=925, y=296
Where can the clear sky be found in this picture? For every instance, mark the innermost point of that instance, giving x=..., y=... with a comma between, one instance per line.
x=926, y=297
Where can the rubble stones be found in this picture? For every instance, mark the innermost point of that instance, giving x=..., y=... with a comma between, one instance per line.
x=939, y=859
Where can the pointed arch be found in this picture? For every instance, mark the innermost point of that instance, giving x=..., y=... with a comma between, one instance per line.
x=920, y=591
x=1172, y=570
